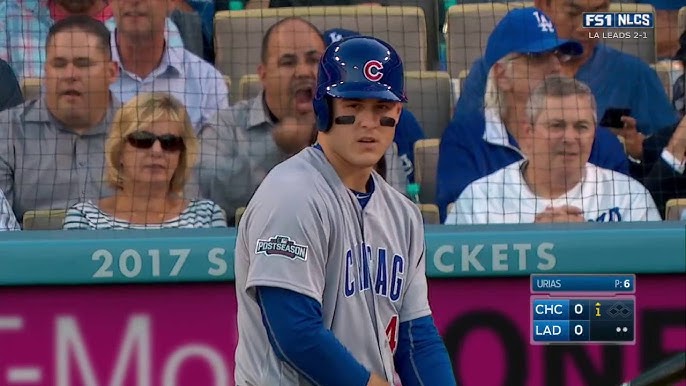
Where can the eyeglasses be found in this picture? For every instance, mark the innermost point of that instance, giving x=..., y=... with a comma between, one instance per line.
x=146, y=139
x=540, y=57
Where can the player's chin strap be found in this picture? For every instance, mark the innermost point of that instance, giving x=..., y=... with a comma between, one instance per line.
x=350, y=119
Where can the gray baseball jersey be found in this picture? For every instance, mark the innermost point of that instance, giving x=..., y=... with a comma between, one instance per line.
x=304, y=231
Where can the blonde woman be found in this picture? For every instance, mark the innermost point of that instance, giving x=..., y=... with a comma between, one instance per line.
x=150, y=151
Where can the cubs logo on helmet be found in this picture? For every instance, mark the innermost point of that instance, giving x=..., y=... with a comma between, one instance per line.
x=357, y=67
x=372, y=70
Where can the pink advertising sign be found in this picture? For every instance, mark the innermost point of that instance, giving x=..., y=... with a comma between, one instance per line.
x=171, y=335
x=185, y=334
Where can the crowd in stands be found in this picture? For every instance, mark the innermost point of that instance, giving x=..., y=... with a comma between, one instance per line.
x=135, y=127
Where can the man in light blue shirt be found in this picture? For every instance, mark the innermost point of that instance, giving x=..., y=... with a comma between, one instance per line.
x=147, y=63
x=24, y=26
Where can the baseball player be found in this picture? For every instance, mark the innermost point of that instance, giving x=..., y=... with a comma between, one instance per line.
x=329, y=262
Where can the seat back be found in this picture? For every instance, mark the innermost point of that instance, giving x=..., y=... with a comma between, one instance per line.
x=238, y=34
x=431, y=10
x=675, y=209
x=640, y=41
x=430, y=100
x=469, y=26
x=30, y=88
x=664, y=70
x=249, y=87
x=227, y=81
x=44, y=219
x=430, y=213
x=425, y=168
x=238, y=215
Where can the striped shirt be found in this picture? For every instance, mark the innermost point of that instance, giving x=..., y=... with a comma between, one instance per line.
x=8, y=222
x=198, y=214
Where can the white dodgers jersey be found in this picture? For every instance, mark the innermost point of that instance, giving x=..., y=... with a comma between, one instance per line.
x=504, y=197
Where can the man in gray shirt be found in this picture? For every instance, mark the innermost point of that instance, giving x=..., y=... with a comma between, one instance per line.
x=52, y=148
x=253, y=136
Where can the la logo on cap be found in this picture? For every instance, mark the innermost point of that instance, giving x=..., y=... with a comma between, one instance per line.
x=335, y=37
x=543, y=23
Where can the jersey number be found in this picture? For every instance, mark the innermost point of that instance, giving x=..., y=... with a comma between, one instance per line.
x=392, y=333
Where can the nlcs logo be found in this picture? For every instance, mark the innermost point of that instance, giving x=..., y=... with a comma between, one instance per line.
x=372, y=70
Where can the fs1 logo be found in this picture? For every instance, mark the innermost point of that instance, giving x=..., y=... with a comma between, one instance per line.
x=618, y=20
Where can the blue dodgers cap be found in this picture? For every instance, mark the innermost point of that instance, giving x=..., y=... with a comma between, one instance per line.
x=337, y=34
x=526, y=31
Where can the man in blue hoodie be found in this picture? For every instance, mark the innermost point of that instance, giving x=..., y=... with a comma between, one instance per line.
x=522, y=50
x=408, y=130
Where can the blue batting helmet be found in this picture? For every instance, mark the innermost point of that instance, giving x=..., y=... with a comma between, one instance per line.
x=358, y=67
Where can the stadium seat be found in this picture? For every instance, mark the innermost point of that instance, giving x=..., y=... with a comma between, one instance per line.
x=644, y=48
x=227, y=80
x=470, y=25
x=249, y=86
x=433, y=27
x=430, y=99
x=675, y=208
x=43, y=219
x=238, y=34
x=430, y=213
x=461, y=77
x=30, y=88
x=468, y=28
x=239, y=214
x=425, y=168
x=664, y=72
x=458, y=86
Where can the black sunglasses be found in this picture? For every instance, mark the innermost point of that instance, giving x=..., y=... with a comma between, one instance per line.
x=145, y=140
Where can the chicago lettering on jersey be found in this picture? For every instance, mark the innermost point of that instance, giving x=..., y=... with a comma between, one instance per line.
x=387, y=278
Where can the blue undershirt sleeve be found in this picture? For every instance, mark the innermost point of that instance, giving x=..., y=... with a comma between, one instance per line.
x=298, y=337
x=421, y=358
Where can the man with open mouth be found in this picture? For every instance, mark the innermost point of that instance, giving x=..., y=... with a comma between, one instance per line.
x=254, y=135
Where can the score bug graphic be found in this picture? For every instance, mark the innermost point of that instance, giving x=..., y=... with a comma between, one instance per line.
x=577, y=309
x=618, y=20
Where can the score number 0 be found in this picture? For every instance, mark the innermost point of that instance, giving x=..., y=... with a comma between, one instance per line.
x=579, y=310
